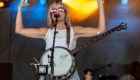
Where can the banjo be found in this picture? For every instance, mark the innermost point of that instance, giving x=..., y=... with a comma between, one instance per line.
x=64, y=62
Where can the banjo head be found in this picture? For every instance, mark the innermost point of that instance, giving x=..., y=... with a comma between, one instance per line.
x=64, y=63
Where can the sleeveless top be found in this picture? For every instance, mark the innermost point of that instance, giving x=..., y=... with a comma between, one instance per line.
x=60, y=39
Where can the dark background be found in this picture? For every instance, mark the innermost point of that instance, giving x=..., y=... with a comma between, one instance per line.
x=118, y=48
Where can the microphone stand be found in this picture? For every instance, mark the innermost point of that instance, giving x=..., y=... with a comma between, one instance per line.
x=103, y=67
x=52, y=49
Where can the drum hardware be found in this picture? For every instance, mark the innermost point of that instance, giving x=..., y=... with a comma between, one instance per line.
x=100, y=75
x=108, y=77
x=109, y=65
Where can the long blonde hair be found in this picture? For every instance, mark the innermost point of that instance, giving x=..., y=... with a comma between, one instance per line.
x=50, y=20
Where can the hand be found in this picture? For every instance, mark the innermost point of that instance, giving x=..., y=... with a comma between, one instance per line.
x=100, y=3
x=22, y=4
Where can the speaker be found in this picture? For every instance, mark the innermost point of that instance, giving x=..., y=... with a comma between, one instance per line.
x=6, y=71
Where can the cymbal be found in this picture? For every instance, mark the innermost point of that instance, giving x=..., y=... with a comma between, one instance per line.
x=109, y=77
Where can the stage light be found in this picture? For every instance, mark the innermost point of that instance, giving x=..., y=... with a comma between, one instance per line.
x=42, y=2
x=39, y=12
x=124, y=2
x=4, y=4
x=1, y=4
x=65, y=1
x=81, y=9
x=26, y=1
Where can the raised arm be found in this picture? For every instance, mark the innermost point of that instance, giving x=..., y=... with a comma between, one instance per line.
x=29, y=32
x=91, y=32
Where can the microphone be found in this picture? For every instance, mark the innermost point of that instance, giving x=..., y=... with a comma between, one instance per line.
x=56, y=15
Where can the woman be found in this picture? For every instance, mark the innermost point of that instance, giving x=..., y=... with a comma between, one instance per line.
x=63, y=22
x=134, y=70
x=88, y=74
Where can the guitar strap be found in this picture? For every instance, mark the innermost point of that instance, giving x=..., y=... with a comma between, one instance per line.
x=68, y=36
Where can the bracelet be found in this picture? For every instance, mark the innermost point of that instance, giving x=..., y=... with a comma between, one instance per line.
x=101, y=7
x=98, y=33
x=101, y=11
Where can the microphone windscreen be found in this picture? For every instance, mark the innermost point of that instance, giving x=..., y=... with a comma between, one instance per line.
x=56, y=15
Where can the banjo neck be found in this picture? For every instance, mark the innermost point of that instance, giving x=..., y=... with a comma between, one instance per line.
x=97, y=38
x=91, y=41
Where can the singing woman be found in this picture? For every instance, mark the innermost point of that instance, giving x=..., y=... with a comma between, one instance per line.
x=63, y=22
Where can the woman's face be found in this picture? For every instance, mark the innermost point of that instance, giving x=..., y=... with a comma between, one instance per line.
x=62, y=13
x=88, y=76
